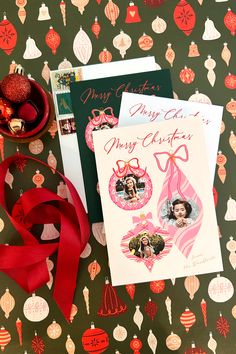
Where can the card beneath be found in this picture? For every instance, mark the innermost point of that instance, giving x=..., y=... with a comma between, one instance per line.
x=159, y=216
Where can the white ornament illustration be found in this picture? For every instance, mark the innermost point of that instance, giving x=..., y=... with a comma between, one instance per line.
x=210, y=65
x=138, y=317
x=230, y=214
x=152, y=341
x=31, y=50
x=82, y=46
x=210, y=33
x=120, y=333
x=220, y=289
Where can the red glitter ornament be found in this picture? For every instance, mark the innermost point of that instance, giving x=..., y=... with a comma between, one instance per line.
x=230, y=21
x=130, y=288
x=38, y=344
x=151, y=309
x=6, y=111
x=223, y=326
x=16, y=87
x=230, y=81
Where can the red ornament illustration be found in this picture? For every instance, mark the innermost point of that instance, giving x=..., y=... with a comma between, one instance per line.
x=111, y=304
x=94, y=269
x=2, y=147
x=38, y=344
x=195, y=350
x=153, y=3
x=215, y=196
x=187, y=75
x=145, y=42
x=112, y=12
x=53, y=40
x=204, y=311
x=157, y=286
x=105, y=56
x=187, y=319
x=184, y=17
x=130, y=288
x=96, y=28
x=8, y=36
x=132, y=14
x=19, y=330
x=136, y=345
x=99, y=2
x=230, y=21
x=223, y=326
x=95, y=340
x=5, y=338
x=230, y=81
x=151, y=309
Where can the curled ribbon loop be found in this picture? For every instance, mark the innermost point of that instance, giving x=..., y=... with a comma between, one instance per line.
x=123, y=167
x=26, y=264
x=142, y=219
x=102, y=116
x=180, y=153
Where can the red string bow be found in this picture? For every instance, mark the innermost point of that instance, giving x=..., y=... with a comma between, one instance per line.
x=26, y=264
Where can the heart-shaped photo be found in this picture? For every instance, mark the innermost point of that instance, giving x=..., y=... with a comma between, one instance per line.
x=146, y=243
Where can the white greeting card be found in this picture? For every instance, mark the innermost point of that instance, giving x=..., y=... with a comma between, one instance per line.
x=159, y=216
x=138, y=109
x=60, y=82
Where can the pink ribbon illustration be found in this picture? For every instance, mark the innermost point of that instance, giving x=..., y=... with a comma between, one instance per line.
x=142, y=219
x=102, y=116
x=124, y=166
x=180, y=153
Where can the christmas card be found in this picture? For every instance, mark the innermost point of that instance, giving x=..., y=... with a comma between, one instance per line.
x=159, y=216
x=137, y=109
x=60, y=83
x=96, y=105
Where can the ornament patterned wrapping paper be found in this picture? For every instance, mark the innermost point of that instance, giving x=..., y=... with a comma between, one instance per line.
x=214, y=329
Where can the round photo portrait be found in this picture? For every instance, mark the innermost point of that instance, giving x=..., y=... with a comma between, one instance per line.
x=130, y=192
x=145, y=245
x=180, y=212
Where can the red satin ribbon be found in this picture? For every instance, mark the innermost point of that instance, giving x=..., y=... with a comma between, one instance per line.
x=26, y=264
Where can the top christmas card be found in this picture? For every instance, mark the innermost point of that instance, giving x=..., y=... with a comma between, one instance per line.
x=137, y=109
x=159, y=217
x=96, y=105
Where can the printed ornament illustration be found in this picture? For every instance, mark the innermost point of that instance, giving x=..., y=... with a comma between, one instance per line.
x=82, y=46
x=220, y=289
x=130, y=288
x=187, y=319
x=222, y=326
x=173, y=341
x=184, y=17
x=195, y=350
x=157, y=286
x=95, y=340
x=193, y=50
x=151, y=309
x=105, y=56
x=70, y=345
x=122, y=42
x=96, y=28
x=187, y=75
x=112, y=12
x=230, y=214
x=111, y=304
x=153, y=3
x=46, y=72
x=185, y=234
x=191, y=284
x=31, y=50
x=54, y=330
x=212, y=344
x=168, y=303
x=37, y=344
x=52, y=40
x=146, y=243
x=130, y=186
x=170, y=54
x=226, y=54
x=63, y=11
x=204, y=311
x=43, y=13
x=7, y=303
x=232, y=141
x=210, y=32
x=145, y=42
x=230, y=81
x=35, y=308
x=94, y=269
x=101, y=119
x=221, y=161
x=21, y=12
x=8, y=36
x=120, y=333
x=159, y=25
x=136, y=344
x=73, y=313
x=132, y=13
x=231, y=247
x=231, y=107
x=230, y=21
x=99, y=233
x=200, y=98
x=210, y=65
x=19, y=330
x=152, y=341
x=5, y=338
x=138, y=317
x=80, y=4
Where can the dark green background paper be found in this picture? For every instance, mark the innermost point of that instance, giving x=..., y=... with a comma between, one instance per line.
x=82, y=110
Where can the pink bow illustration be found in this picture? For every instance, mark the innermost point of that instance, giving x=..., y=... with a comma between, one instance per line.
x=102, y=116
x=143, y=219
x=124, y=166
x=180, y=153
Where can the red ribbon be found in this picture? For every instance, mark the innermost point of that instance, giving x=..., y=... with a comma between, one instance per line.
x=123, y=167
x=26, y=264
x=102, y=117
x=170, y=162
